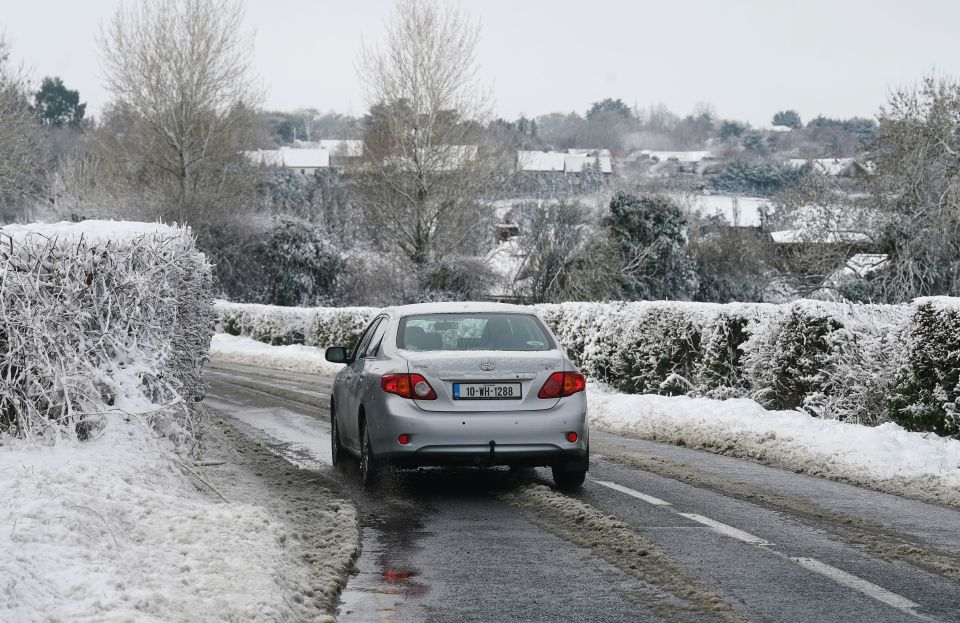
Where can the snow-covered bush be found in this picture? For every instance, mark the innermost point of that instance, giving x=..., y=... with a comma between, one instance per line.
x=311, y=326
x=830, y=359
x=95, y=316
x=927, y=389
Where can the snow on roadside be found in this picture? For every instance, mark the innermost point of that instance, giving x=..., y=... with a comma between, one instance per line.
x=293, y=358
x=112, y=530
x=884, y=457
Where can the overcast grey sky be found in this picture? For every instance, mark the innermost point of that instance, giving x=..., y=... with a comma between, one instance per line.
x=749, y=58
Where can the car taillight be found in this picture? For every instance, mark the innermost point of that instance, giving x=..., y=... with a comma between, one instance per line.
x=407, y=386
x=562, y=384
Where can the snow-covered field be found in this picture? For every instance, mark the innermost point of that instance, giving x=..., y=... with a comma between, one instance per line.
x=113, y=529
x=884, y=457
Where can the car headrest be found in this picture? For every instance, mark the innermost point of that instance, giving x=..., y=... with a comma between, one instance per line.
x=418, y=339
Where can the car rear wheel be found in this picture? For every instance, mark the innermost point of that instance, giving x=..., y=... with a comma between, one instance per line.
x=368, y=461
x=336, y=448
x=568, y=479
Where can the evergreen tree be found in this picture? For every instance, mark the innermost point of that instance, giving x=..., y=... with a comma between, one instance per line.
x=788, y=118
x=651, y=235
x=57, y=105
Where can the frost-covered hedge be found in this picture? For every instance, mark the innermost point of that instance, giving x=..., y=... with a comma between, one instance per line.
x=281, y=326
x=96, y=316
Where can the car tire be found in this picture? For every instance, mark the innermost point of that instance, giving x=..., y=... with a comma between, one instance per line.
x=336, y=448
x=369, y=466
x=568, y=479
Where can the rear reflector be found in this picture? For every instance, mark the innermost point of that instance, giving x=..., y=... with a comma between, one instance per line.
x=572, y=437
x=407, y=386
x=404, y=439
x=562, y=384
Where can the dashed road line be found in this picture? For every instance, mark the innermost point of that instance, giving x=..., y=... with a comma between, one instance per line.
x=856, y=583
x=649, y=499
x=839, y=576
x=728, y=530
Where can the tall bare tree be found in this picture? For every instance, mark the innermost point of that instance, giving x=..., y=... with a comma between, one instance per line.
x=21, y=155
x=424, y=169
x=181, y=75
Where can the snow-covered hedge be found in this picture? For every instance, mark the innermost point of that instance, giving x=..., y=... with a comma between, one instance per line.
x=282, y=326
x=830, y=359
x=95, y=316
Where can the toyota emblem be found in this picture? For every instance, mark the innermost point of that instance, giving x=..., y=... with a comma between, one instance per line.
x=487, y=366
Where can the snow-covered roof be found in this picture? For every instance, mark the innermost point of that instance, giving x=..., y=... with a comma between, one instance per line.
x=581, y=151
x=305, y=158
x=541, y=160
x=679, y=156
x=346, y=148
x=740, y=211
x=797, y=236
x=92, y=229
x=291, y=157
x=559, y=161
x=575, y=164
x=475, y=307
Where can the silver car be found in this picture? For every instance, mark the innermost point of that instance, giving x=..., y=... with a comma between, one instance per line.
x=460, y=383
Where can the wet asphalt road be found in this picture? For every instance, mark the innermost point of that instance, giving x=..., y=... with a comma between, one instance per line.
x=713, y=538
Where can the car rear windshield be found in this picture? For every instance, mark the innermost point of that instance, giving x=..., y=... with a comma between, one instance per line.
x=494, y=331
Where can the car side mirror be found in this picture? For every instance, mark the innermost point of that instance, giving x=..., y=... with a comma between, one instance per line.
x=336, y=354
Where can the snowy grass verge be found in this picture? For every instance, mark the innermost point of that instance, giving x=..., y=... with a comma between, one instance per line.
x=112, y=530
x=292, y=358
x=886, y=457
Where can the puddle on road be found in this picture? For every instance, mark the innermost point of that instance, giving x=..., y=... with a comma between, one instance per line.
x=381, y=583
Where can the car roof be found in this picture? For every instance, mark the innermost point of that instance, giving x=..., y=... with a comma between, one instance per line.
x=458, y=308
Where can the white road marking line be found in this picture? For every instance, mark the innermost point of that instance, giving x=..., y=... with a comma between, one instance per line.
x=859, y=584
x=723, y=528
x=649, y=499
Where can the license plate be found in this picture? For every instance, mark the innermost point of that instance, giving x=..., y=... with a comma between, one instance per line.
x=486, y=391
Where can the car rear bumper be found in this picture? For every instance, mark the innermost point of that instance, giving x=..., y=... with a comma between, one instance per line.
x=481, y=438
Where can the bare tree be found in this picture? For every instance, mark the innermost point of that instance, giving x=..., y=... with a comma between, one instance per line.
x=181, y=75
x=566, y=256
x=822, y=227
x=21, y=154
x=424, y=169
x=916, y=190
